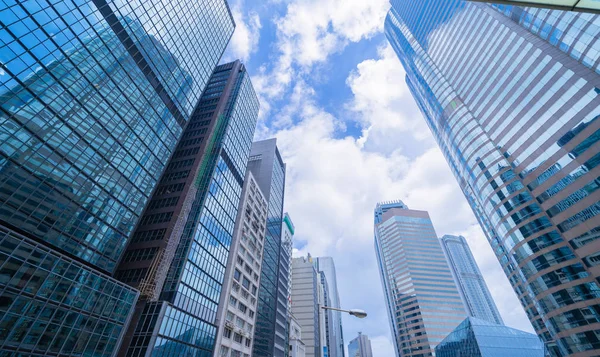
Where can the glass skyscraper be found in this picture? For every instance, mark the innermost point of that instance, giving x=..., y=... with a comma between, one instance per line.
x=335, y=336
x=360, y=346
x=472, y=287
x=511, y=95
x=422, y=299
x=93, y=99
x=181, y=246
x=270, y=334
x=481, y=338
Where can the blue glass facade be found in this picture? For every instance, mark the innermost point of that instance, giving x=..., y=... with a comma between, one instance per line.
x=511, y=96
x=472, y=287
x=268, y=168
x=479, y=338
x=422, y=298
x=181, y=320
x=93, y=99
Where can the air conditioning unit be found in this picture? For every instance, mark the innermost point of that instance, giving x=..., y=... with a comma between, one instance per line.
x=229, y=324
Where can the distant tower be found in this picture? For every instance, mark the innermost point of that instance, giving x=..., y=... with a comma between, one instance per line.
x=306, y=284
x=335, y=336
x=471, y=285
x=360, y=346
x=418, y=285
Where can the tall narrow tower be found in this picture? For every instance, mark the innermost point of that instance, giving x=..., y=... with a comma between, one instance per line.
x=422, y=298
x=511, y=95
x=179, y=252
x=472, y=287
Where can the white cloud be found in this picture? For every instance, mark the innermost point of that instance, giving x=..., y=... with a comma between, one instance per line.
x=334, y=181
x=246, y=37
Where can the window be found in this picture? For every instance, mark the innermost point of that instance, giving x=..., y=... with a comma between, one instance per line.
x=237, y=337
x=240, y=260
x=246, y=283
x=227, y=333
x=224, y=351
x=243, y=308
x=229, y=316
x=254, y=290
x=236, y=275
x=239, y=322
x=251, y=314
x=232, y=301
x=248, y=342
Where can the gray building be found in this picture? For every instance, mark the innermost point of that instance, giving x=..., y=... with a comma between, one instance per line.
x=422, y=298
x=472, y=287
x=236, y=315
x=93, y=101
x=271, y=335
x=306, y=282
x=511, y=95
x=335, y=337
x=179, y=252
x=360, y=346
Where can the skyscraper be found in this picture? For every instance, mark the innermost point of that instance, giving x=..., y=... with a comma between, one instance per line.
x=93, y=101
x=237, y=307
x=360, y=346
x=178, y=254
x=471, y=285
x=306, y=283
x=287, y=243
x=326, y=266
x=422, y=298
x=567, y=5
x=511, y=96
x=270, y=334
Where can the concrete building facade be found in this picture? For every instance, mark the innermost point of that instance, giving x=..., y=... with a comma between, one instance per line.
x=306, y=289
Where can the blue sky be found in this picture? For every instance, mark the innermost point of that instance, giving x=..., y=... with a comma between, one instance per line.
x=333, y=93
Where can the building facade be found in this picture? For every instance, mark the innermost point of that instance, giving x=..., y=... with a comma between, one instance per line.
x=422, y=298
x=335, y=336
x=566, y=5
x=481, y=338
x=472, y=287
x=178, y=254
x=287, y=243
x=297, y=347
x=92, y=103
x=237, y=307
x=360, y=346
x=270, y=336
x=305, y=303
x=511, y=96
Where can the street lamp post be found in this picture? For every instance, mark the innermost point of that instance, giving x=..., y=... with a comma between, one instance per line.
x=361, y=314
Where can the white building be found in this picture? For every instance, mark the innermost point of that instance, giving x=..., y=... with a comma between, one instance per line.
x=236, y=316
x=297, y=347
x=305, y=303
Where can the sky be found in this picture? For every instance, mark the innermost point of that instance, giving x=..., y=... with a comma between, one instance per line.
x=332, y=92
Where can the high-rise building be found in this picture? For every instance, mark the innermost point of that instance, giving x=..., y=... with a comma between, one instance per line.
x=566, y=5
x=511, y=95
x=179, y=252
x=422, y=299
x=287, y=243
x=306, y=283
x=335, y=335
x=237, y=307
x=270, y=334
x=93, y=99
x=482, y=338
x=360, y=346
x=472, y=287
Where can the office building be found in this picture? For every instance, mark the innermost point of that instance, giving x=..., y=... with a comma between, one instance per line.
x=287, y=244
x=297, y=347
x=592, y=6
x=93, y=101
x=305, y=303
x=335, y=337
x=422, y=299
x=511, y=96
x=472, y=287
x=270, y=336
x=360, y=346
x=237, y=307
x=179, y=252
x=480, y=338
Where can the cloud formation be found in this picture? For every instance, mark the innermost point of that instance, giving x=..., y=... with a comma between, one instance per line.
x=334, y=179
